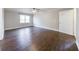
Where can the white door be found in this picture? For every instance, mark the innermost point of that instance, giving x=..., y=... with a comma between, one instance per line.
x=66, y=19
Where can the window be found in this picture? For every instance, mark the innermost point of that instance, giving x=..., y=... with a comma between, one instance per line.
x=24, y=19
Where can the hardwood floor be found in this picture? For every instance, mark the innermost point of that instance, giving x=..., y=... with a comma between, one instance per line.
x=37, y=39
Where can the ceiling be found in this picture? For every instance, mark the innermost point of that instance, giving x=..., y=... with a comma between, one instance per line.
x=29, y=10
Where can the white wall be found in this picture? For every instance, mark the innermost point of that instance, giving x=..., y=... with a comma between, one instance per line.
x=12, y=20
x=48, y=20
x=77, y=27
x=1, y=24
x=75, y=18
x=66, y=21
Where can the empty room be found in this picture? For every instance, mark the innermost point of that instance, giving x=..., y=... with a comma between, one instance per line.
x=38, y=29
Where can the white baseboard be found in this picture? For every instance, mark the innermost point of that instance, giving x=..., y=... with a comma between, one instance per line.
x=77, y=42
x=67, y=33
x=52, y=29
x=77, y=45
x=11, y=28
x=15, y=28
x=47, y=28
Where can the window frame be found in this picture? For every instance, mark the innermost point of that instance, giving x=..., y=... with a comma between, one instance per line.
x=25, y=18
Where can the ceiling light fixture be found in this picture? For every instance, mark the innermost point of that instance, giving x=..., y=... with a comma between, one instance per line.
x=35, y=10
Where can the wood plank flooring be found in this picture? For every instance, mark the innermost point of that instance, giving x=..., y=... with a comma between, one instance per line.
x=37, y=39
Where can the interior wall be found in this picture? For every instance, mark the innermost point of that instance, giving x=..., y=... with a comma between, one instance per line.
x=48, y=20
x=77, y=27
x=66, y=21
x=12, y=20
x=75, y=20
x=1, y=23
